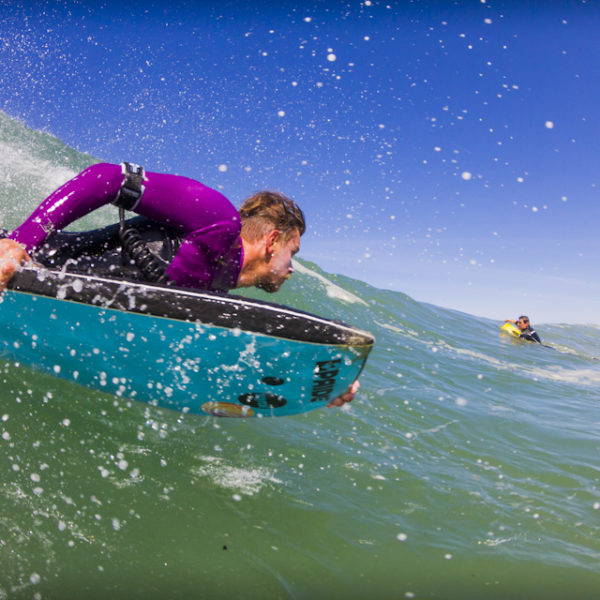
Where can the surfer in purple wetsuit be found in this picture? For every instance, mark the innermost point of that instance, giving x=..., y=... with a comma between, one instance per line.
x=218, y=248
x=205, y=243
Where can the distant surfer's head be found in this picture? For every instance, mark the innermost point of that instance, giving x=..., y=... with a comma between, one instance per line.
x=265, y=211
x=523, y=322
x=271, y=228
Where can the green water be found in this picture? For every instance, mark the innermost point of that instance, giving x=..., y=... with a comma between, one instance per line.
x=467, y=467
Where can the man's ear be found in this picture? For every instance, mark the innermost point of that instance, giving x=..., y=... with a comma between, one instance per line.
x=271, y=239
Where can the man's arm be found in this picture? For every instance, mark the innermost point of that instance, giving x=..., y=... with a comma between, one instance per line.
x=89, y=190
x=211, y=223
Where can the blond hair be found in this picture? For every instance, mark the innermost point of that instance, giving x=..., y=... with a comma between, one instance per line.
x=265, y=211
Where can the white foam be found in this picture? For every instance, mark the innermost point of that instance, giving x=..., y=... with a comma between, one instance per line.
x=552, y=373
x=333, y=291
x=18, y=165
x=579, y=376
x=245, y=481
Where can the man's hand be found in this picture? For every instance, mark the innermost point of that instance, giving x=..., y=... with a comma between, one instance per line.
x=12, y=255
x=347, y=396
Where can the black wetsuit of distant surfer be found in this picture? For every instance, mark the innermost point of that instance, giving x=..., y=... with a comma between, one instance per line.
x=530, y=335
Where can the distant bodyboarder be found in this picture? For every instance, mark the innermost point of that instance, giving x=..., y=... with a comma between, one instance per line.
x=527, y=332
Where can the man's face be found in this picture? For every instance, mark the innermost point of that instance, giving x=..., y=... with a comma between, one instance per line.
x=278, y=264
x=522, y=324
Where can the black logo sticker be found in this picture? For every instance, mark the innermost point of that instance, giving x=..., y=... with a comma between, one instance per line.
x=324, y=379
x=262, y=401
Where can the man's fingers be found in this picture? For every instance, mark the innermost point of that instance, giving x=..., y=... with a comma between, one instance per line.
x=12, y=254
x=347, y=396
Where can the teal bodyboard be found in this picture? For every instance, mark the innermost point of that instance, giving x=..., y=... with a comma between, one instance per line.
x=185, y=350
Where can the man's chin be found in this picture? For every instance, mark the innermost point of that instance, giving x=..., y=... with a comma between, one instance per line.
x=269, y=286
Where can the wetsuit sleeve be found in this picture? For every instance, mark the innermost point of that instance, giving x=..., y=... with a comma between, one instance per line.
x=210, y=222
x=92, y=188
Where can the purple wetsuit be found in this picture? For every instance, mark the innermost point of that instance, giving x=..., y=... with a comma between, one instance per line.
x=211, y=254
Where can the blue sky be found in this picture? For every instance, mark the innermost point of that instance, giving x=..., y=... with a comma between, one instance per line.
x=445, y=150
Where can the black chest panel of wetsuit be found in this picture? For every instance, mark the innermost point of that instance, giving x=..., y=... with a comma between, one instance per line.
x=100, y=251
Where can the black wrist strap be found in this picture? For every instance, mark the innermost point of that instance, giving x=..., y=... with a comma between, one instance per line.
x=132, y=188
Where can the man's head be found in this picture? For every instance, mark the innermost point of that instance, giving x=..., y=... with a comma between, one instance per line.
x=271, y=228
x=523, y=322
x=267, y=210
